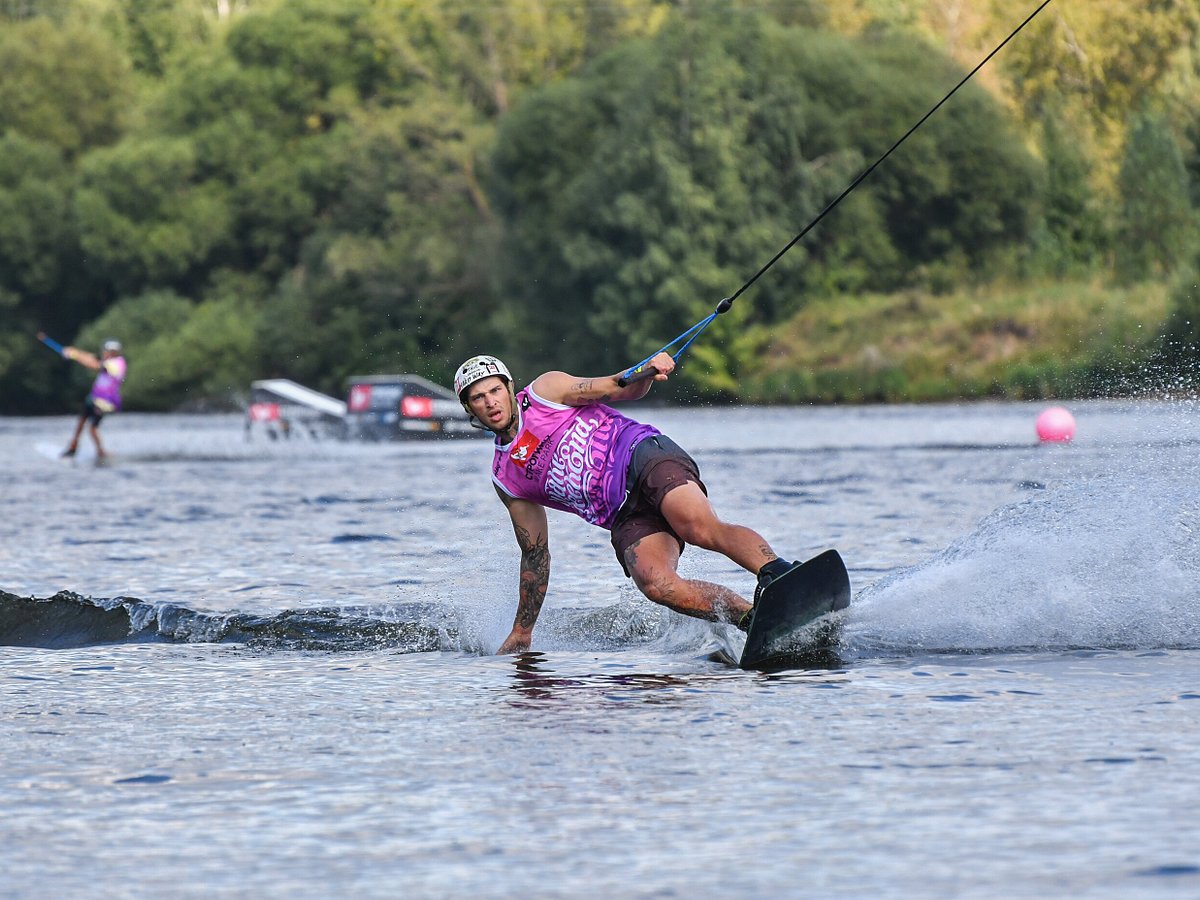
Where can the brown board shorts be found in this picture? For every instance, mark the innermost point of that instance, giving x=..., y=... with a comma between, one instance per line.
x=658, y=466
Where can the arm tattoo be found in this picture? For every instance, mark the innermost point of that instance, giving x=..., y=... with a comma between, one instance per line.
x=535, y=577
x=585, y=386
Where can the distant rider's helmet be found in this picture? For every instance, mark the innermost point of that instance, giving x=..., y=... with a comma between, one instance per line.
x=476, y=369
x=113, y=345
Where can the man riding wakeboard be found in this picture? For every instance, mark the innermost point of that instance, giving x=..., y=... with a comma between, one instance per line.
x=558, y=445
x=105, y=395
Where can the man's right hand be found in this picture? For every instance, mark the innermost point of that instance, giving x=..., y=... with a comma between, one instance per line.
x=518, y=641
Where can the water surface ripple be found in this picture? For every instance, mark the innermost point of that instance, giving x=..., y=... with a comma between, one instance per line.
x=239, y=669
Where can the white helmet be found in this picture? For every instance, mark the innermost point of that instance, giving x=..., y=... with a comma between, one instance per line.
x=476, y=369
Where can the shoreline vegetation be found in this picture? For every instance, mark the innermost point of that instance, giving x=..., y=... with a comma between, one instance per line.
x=321, y=189
x=1065, y=339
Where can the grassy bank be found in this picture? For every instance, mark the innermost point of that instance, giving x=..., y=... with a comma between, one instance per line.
x=1061, y=339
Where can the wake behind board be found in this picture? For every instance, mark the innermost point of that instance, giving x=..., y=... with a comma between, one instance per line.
x=788, y=605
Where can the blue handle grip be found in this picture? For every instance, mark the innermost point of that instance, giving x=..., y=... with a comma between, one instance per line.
x=51, y=343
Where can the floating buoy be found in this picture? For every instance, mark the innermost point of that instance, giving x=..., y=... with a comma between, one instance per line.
x=1055, y=425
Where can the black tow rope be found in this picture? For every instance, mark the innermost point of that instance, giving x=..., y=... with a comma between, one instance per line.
x=642, y=370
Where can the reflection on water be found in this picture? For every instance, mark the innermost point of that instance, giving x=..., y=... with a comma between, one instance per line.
x=535, y=681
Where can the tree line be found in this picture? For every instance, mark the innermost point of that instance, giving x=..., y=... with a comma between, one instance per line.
x=312, y=190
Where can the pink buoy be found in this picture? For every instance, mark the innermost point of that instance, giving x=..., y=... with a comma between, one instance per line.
x=1055, y=424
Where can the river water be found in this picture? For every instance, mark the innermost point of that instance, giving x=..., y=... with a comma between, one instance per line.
x=272, y=671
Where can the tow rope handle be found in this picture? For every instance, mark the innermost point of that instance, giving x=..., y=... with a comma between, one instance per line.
x=642, y=370
x=51, y=343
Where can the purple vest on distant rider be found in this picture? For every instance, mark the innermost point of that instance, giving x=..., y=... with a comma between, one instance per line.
x=571, y=458
x=106, y=389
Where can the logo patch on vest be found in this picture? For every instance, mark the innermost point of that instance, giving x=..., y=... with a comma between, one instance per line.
x=524, y=449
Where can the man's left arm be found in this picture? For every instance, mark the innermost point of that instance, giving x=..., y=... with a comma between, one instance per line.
x=571, y=390
x=531, y=529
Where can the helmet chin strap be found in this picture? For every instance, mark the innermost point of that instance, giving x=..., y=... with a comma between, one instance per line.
x=516, y=411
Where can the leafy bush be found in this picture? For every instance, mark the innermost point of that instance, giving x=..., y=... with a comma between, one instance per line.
x=204, y=354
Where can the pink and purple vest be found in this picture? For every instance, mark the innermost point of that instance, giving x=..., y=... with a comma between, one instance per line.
x=106, y=389
x=571, y=458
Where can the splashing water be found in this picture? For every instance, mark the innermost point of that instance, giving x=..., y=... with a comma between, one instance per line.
x=1108, y=561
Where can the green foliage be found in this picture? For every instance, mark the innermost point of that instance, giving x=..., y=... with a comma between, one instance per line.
x=137, y=321
x=144, y=218
x=1073, y=233
x=1102, y=61
x=644, y=190
x=1157, y=229
x=35, y=231
x=1064, y=337
x=155, y=30
x=1182, y=329
x=197, y=355
x=63, y=84
x=39, y=289
x=13, y=343
x=153, y=34
x=349, y=182
x=329, y=187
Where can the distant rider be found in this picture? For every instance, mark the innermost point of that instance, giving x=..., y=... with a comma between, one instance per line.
x=105, y=395
x=559, y=446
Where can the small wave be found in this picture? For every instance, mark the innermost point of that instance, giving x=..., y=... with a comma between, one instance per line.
x=64, y=620
x=69, y=620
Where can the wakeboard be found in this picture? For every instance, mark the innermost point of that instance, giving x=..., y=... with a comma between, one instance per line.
x=85, y=455
x=780, y=631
